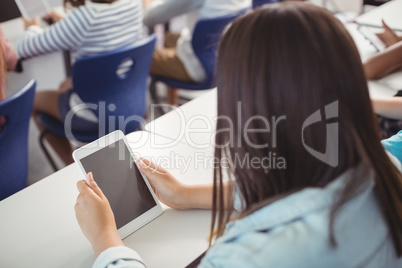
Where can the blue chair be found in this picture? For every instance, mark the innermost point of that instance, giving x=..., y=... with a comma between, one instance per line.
x=17, y=110
x=115, y=82
x=258, y=3
x=206, y=36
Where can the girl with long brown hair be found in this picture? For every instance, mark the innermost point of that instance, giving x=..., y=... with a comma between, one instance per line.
x=335, y=201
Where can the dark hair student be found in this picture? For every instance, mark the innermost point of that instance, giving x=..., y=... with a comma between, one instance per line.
x=290, y=76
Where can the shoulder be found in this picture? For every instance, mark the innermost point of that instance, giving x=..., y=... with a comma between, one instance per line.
x=287, y=247
x=288, y=241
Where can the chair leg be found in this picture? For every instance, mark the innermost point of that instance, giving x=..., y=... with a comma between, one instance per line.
x=155, y=98
x=44, y=149
x=172, y=96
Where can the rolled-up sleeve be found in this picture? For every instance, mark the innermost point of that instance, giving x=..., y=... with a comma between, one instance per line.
x=119, y=257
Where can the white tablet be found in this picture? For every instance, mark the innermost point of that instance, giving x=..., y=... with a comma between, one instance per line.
x=114, y=169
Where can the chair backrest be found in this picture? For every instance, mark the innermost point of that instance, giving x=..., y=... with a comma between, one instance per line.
x=205, y=40
x=115, y=82
x=17, y=110
x=258, y=3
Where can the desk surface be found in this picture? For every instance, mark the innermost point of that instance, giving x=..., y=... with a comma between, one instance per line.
x=38, y=226
x=193, y=123
x=390, y=12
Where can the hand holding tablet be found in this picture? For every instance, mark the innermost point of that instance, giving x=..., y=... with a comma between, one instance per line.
x=131, y=198
x=95, y=216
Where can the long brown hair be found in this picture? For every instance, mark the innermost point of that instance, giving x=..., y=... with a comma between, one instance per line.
x=293, y=59
x=77, y=3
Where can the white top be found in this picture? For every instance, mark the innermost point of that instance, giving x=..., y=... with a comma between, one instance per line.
x=210, y=9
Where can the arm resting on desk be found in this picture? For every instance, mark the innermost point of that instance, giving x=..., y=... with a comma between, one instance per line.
x=384, y=63
x=388, y=107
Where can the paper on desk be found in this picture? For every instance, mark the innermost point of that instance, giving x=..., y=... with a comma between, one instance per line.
x=365, y=48
x=379, y=90
x=390, y=12
x=33, y=8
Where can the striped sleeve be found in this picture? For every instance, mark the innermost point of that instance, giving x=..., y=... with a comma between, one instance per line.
x=67, y=34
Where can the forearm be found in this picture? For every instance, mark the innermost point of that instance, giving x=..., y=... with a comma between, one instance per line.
x=109, y=238
x=388, y=107
x=384, y=62
x=200, y=196
x=63, y=35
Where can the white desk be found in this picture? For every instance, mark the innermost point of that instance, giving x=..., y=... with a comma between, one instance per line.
x=390, y=12
x=38, y=226
x=193, y=123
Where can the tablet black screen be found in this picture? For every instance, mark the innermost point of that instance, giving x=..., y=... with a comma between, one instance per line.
x=117, y=175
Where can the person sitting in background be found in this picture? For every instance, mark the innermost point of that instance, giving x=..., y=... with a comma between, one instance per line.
x=389, y=110
x=178, y=60
x=92, y=27
x=341, y=209
x=9, y=54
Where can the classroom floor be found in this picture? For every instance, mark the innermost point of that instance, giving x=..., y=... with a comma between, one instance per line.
x=38, y=165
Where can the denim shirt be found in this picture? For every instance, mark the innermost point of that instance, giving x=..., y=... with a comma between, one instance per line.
x=294, y=232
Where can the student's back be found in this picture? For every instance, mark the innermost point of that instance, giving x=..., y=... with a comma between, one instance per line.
x=92, y=28
x=294, y=232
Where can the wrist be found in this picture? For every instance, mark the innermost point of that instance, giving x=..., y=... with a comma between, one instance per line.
x=197, y=197
x=106, y=239
x=183, y=195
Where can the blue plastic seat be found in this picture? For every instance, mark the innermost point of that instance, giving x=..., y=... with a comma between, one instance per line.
x=205, y=40
x=17, y=110
x=258, y=3
x=115, y=82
